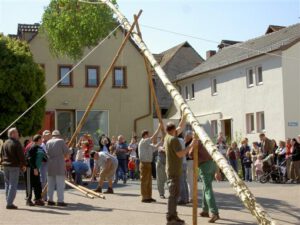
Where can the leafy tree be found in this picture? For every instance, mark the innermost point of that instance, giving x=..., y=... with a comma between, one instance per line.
x=21, y=84
x=70, y=26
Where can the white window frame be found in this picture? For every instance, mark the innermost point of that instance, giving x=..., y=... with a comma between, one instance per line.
x=214, y=128
x=186, y=92
x=260, y=121
x=248, y=77
x=214, y=86
x=250, y=121
x=257, y=75
x=192, y=91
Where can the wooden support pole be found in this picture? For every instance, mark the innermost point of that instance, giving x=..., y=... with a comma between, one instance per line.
x=91, y=192
x=78, y=189
x=195, y=184
x=149, y=75
x=93, y=99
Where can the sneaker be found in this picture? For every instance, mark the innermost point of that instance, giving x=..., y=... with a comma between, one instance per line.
x=109, y=191
x=29, y=203
x=51, y=203
x=61, y=204
x=39, y=202
x=214, y=218
x=11, y=206
x=162, y=196
x=98, y=189
x=204, y=214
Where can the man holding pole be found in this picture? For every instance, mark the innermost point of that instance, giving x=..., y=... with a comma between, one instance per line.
x=174, y=153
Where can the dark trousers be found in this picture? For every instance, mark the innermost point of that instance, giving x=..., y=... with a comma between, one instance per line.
x=122, y=169
x=174, y=190
x=34, y=184
x=243, y=168
x=132, y=174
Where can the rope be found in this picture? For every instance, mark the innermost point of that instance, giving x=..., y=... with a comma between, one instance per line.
x=51, y=88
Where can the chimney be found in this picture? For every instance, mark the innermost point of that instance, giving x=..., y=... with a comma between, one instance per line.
x=210, y=53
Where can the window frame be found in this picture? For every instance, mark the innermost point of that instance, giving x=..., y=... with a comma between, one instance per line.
x=124, y=68
x=214, y=128
x=69, y=66
x=259, y=116
x=97, y=68
x=257, y=75
x=214, y=88
x=250, y=122
x=248, y=77
x=186, y=92
x=192, y=91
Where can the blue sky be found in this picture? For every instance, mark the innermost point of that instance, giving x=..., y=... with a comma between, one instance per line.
x=209, y=19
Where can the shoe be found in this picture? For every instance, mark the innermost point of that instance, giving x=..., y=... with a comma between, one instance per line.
x=146, y=201
x=98, y=189
x=214, y=218
x=29, y=203
x=204, y=214
x=162, y=196
x=177, y=219
x=109, y=191
x=11, y=207
x=62, y=204
x=152, y=200
x=39, y=202
x=124, y=181
x=85, y=183
x=50, y=203
x=181, y=203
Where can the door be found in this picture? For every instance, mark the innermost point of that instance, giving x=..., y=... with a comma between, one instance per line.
x=227, y=129
x=65, y=123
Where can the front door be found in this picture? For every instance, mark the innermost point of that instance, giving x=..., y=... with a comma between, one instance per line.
x=65, y=123
x=227, y=129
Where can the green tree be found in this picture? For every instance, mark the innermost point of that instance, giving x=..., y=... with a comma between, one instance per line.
x=21, y=84
x=70, y=26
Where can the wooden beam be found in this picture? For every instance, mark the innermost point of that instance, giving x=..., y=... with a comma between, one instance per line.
x=99, y=195
x=78, y=189
x=93, y=99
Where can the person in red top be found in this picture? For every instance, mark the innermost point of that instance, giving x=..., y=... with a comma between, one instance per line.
x=131, y=167
x=87, y=144
x=288, y=155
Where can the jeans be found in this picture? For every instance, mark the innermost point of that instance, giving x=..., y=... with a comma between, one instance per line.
x=59, y=183
x=234, y=164
x=44, y=173
x=248, y=175
x=80, y=168
x=131, y=174
x=190, y=177
x=161, y=177
x=207, y=171
x=122, y=169
x=174, y=190
x=184, y=192
x=11, y=179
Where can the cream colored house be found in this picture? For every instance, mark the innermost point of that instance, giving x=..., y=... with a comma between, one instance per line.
x=122, y=106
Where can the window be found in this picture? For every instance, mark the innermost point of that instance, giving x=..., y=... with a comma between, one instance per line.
x=186, y=92
x=250, y=78
x=62, y=71
x=250, y=123
x=193, y=91
x=214, y=86
x=260, y=120
x=91, y=76
x=119, y=77
x=259, y=76
x=96, y=123
x=214, y=128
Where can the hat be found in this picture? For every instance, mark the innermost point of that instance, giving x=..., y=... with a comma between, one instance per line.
x=55, y=133
x=46, y=132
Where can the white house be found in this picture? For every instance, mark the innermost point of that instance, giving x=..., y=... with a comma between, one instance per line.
x=242, y=91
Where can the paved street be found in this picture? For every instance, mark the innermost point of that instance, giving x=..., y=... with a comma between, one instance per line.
x=125, y=208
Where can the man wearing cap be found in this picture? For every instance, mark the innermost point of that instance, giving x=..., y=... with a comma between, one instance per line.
x=57, y=151
x=43, y=171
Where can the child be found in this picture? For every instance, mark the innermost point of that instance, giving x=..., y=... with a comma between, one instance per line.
x=247, y=165
x=86, y=156
x=132, y=147
x=258, y=164
x=131, y=167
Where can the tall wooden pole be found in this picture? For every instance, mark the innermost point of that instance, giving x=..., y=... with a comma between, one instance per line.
x=93, y=99
x=195, y=183
x=240, y=187
x=152, y=89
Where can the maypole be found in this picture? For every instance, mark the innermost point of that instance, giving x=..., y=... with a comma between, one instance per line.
x=239, y=186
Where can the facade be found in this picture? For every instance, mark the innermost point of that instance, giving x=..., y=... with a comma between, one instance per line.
x=122, y=101
x=242, y=92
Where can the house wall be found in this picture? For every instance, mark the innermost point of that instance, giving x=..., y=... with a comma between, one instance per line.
x=291, y=90
x=234, y=99
x=124, y=105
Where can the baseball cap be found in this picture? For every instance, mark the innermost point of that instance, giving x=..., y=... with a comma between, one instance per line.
x=46, y=132
x=55, y=133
